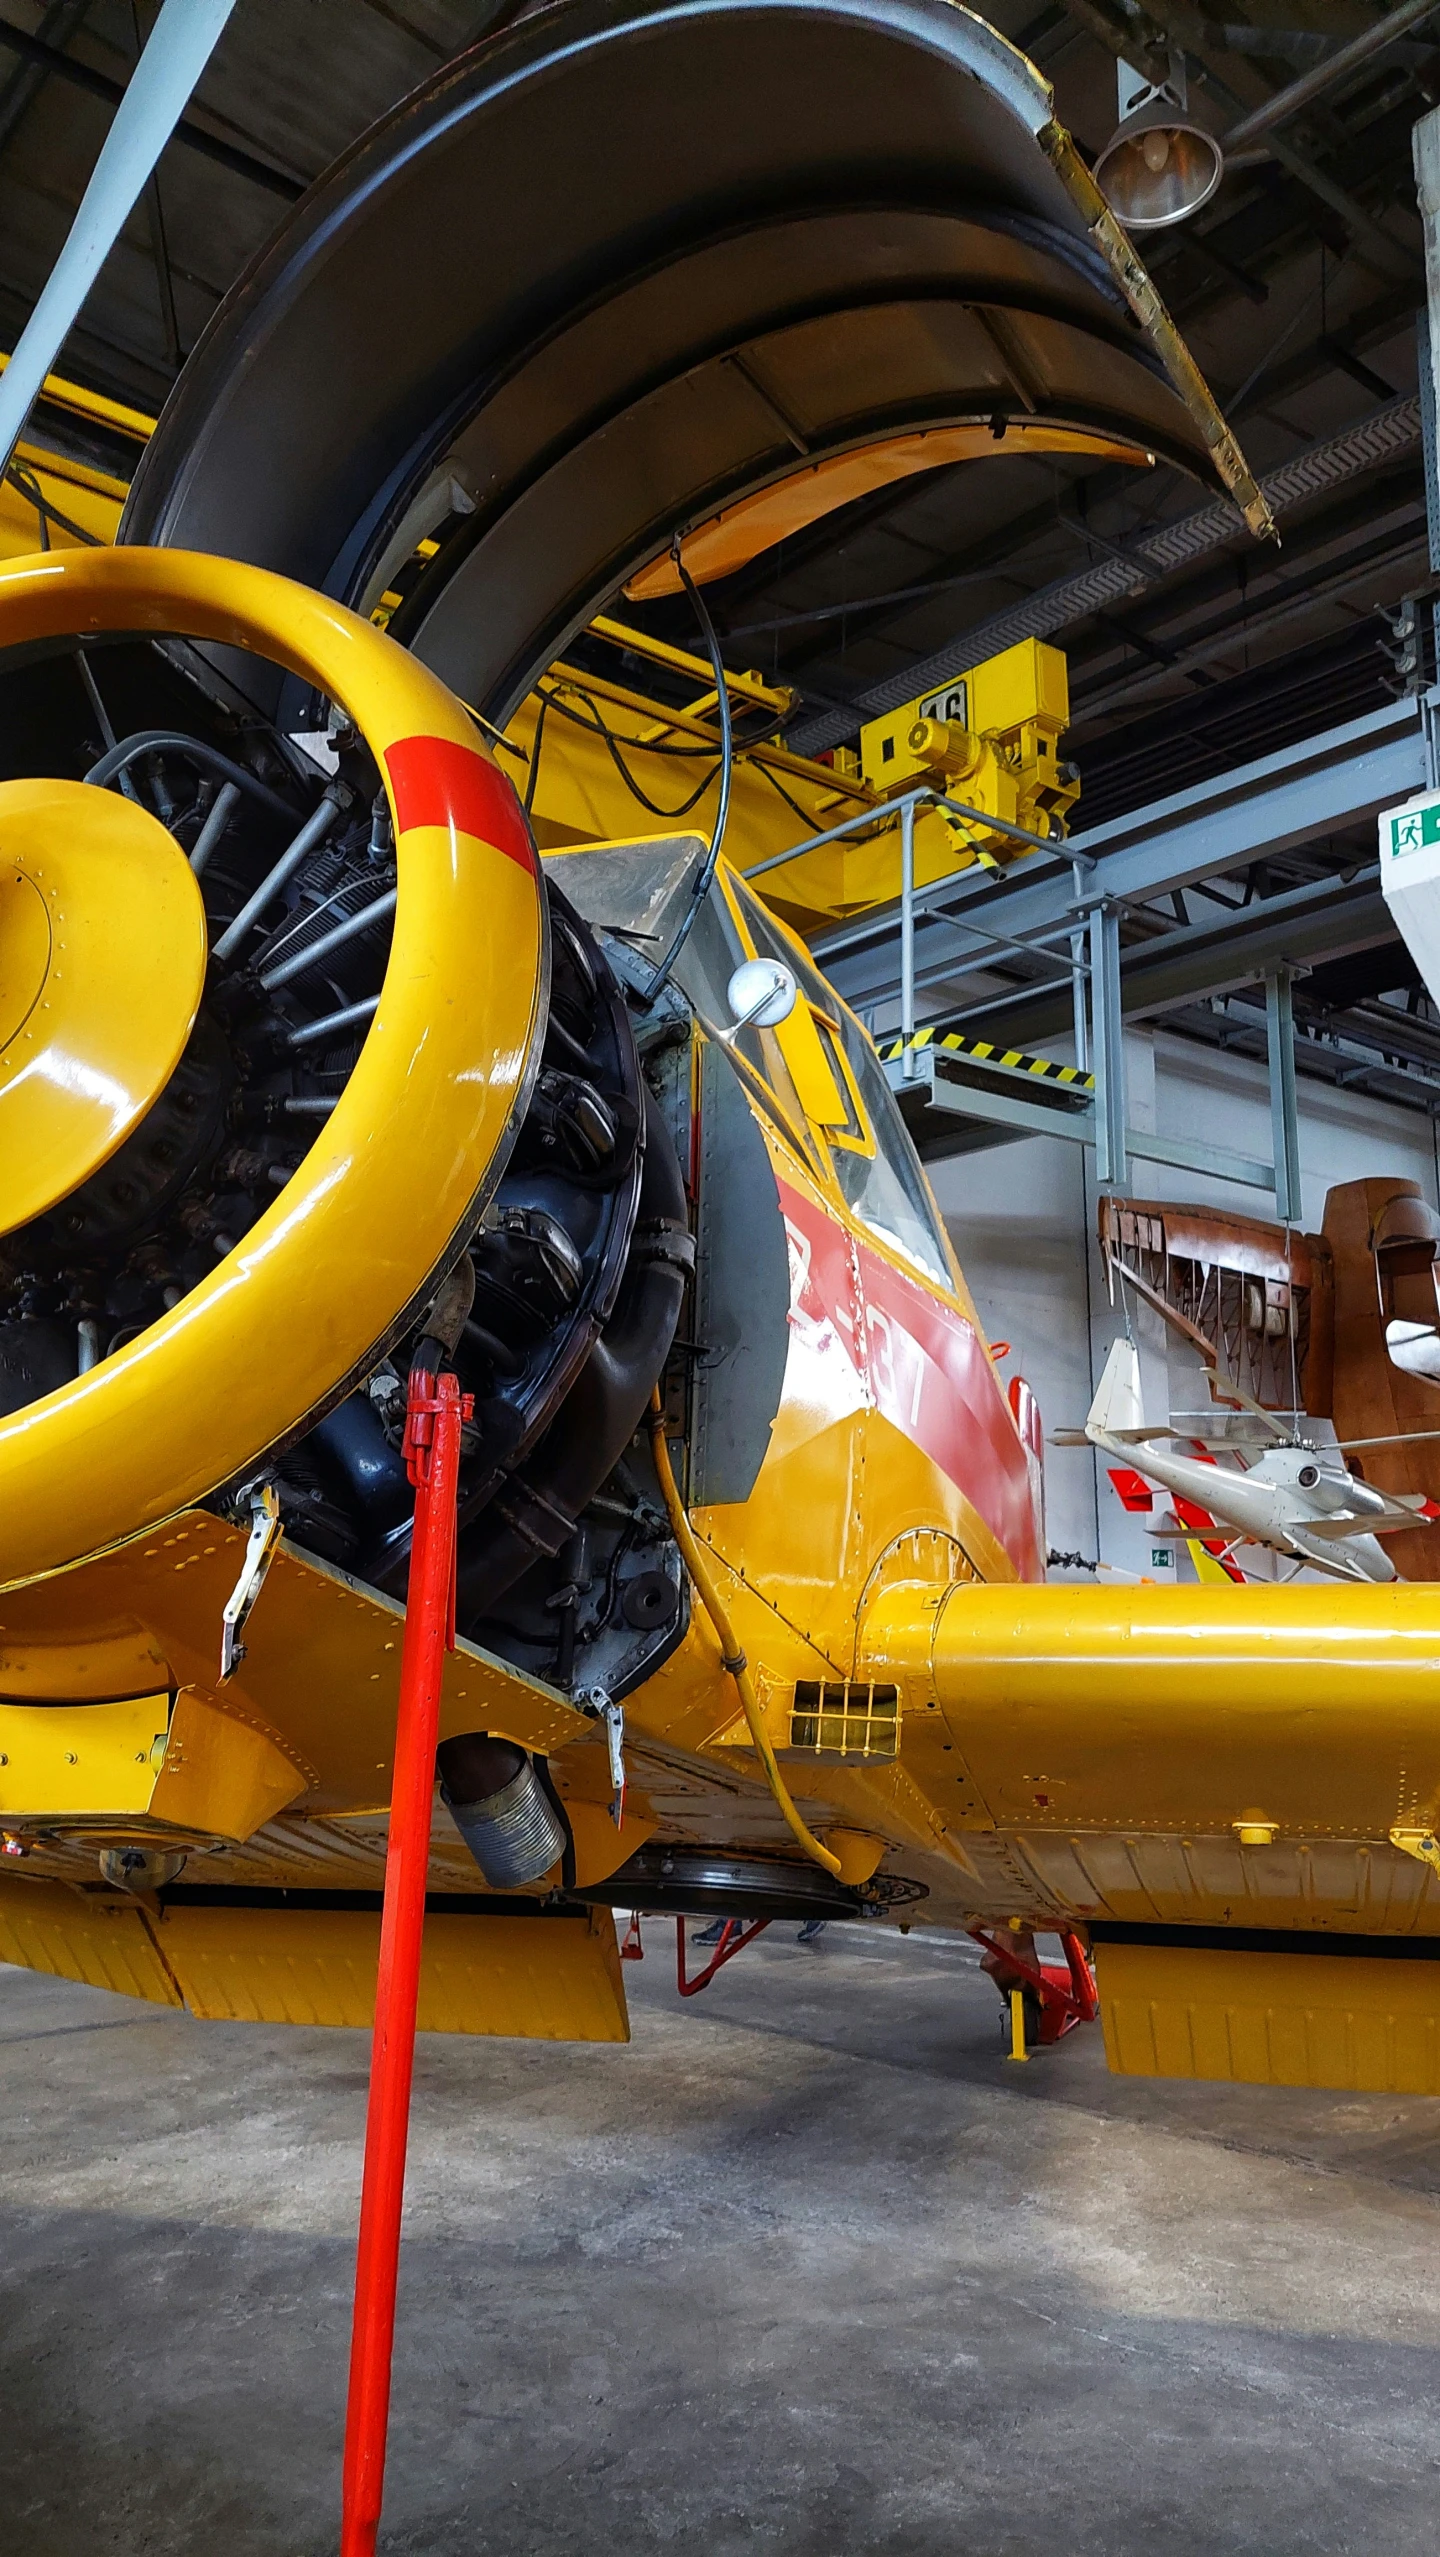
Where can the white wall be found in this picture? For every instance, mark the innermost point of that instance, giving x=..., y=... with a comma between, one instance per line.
x=1023, y=1221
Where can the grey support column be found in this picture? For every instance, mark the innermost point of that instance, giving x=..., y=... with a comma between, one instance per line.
x=1284, y=1117
x=1107, y=1048
x=1425, y=145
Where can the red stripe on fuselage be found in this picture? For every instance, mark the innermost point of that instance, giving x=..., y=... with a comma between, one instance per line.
x=925, y=1367
x=435, y=782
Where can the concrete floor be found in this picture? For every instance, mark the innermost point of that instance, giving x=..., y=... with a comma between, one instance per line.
x=806, y=2269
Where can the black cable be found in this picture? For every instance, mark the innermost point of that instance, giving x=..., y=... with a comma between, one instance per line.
x=646, y=745
x=597, y=728
x=707, y=869
x=792, y=804
x=29, y=487
x=623, y=1542
x=536, y=742
x=166, y=741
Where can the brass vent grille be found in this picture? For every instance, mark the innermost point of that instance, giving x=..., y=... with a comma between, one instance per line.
x=833, y=1719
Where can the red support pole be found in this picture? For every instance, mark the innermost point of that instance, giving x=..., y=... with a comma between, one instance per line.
x=432, y=1448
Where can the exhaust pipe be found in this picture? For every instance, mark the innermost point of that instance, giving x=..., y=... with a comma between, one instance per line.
x=502, y=1811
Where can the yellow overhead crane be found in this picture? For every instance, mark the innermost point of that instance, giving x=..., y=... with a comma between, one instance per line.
x=77, y=504
x=992, y=732
x=596, y=760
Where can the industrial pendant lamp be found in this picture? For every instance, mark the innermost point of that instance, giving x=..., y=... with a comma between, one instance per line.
x=1157, y=167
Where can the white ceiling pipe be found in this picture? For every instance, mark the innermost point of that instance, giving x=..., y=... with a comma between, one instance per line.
x=182, y=40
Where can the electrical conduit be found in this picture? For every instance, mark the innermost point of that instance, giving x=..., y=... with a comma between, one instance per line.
x=731, y=1655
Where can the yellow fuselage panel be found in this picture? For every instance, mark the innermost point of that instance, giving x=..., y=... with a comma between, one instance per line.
x=1353, y=2020
x=63, y=1762
x=322, y=1663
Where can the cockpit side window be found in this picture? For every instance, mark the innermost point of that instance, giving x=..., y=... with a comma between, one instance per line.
x=874, y=1161
x=712, y=953
x=853, y=1131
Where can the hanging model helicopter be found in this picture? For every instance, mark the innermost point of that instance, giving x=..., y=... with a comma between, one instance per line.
x=305, y=1054
x=1295, y=1496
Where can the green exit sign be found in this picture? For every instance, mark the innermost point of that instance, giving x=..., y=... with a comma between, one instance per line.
x=1413, y=828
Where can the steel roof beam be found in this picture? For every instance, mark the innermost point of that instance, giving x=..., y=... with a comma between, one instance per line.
x=64, y=66
x=1323, y=786
x=1168, y=547
x=1311, y=85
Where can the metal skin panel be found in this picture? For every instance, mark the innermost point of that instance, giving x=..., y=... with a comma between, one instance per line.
x=1367, y=2025
x=221, y=1776
x=867, y=1337
x=873, y=227
x=742, y=1294
x=322, y=1662
x=1114, y=1742
x=105, y=1942
x=1350, y=1886
x=403, y=1165
x=549, y=1979
x=81, y=1761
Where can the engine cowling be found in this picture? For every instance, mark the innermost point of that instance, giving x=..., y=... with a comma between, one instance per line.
x=282, y=1040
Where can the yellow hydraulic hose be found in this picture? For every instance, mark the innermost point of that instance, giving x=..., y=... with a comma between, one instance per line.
x=731, y=1655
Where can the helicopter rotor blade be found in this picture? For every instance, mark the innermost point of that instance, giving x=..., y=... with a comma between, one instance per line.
x=1396, y=1438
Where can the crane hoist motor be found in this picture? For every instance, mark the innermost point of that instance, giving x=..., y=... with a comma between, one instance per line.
x=990, y=735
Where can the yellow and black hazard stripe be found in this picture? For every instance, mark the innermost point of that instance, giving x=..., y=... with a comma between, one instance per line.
x=985, y=1052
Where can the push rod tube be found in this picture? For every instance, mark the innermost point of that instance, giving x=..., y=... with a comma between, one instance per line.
x=317, y=825
x=314, y=951
x=227, y=800
x=331, y=1025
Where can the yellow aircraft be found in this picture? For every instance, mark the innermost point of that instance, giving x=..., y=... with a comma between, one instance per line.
x=305, y=1052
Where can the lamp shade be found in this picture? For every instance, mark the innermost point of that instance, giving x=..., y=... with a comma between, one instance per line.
x=1158, y=167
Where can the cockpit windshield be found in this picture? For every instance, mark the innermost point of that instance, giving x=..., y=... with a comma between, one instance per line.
x=876, y=1166
x=639, y=892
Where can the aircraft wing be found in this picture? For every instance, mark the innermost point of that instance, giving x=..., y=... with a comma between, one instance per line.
x=1215, y=1428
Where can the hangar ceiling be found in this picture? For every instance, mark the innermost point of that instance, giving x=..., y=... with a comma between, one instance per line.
x=1297, y=286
